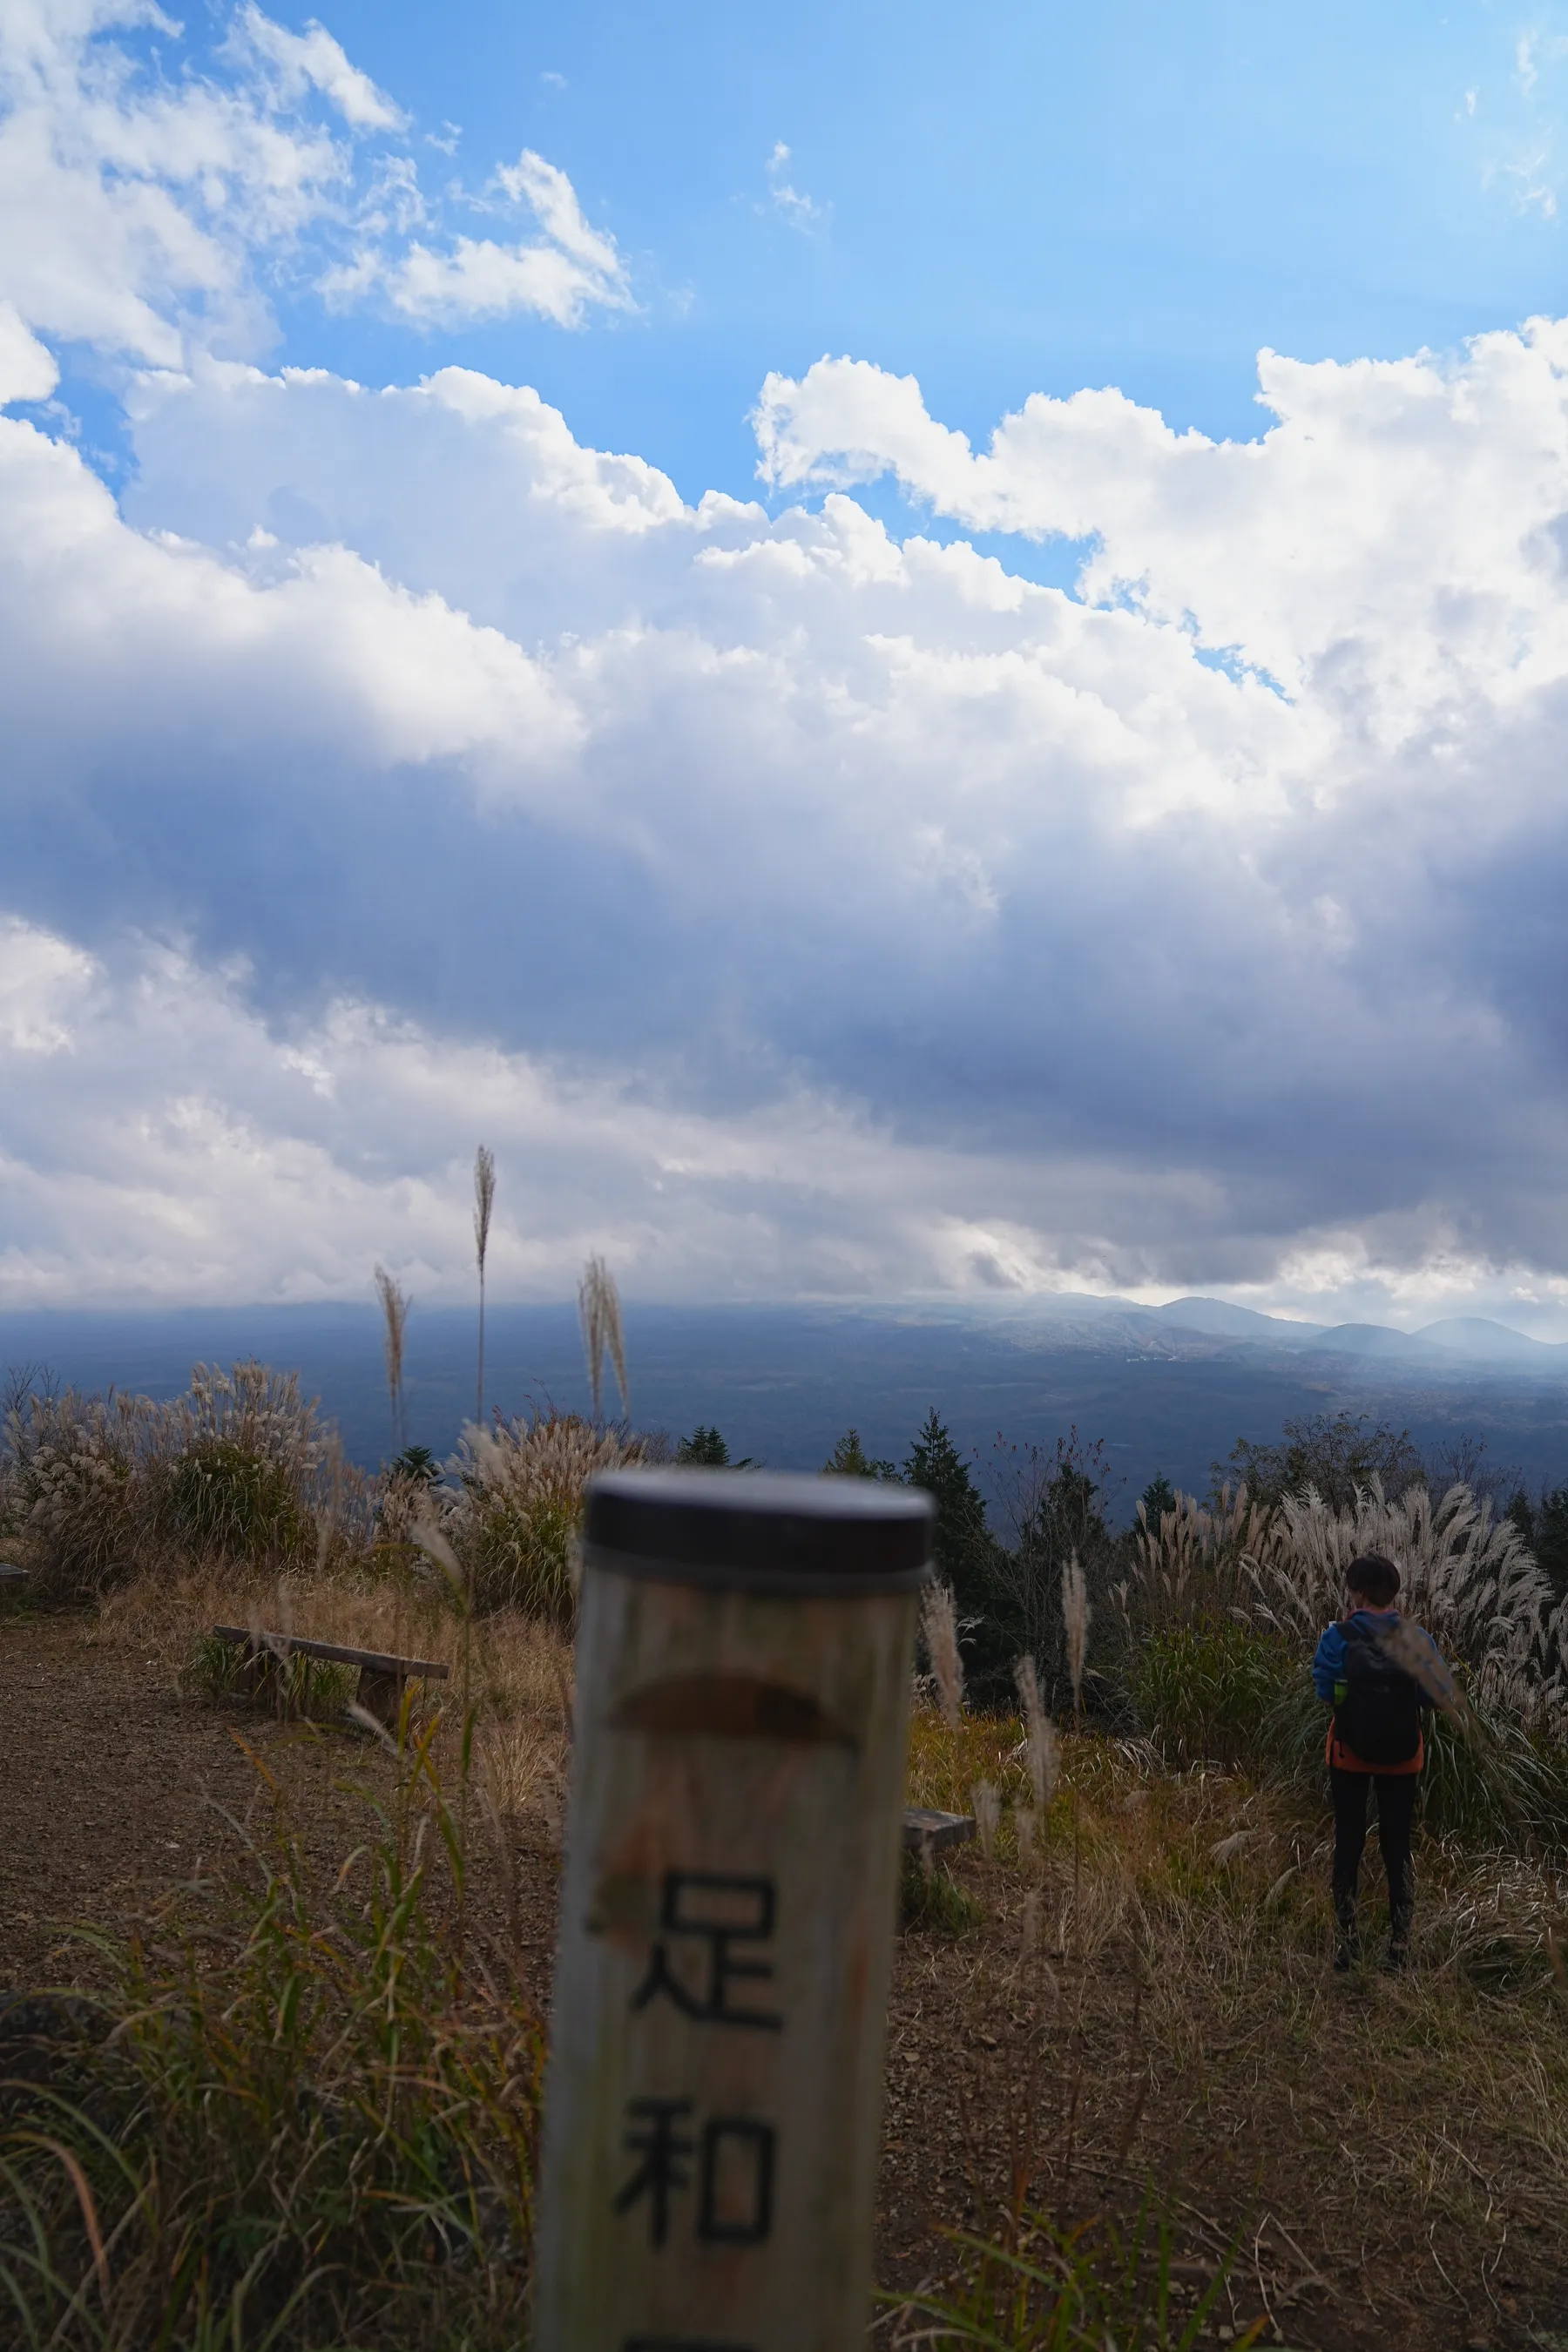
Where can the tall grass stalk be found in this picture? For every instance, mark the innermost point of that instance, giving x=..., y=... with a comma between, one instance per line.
x=484, y=1203
x=939, y=1631
x=987, y=1800
x=599, y=1311
x=1042, y=1756
x=395, y=1312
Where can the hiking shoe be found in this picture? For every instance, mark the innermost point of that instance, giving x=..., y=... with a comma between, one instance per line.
x=1396, y=1959
x=1346, y=1954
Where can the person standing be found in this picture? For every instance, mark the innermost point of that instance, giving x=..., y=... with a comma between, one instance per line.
x=1375, y=1742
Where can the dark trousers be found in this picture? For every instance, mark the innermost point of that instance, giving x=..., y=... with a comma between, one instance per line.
x=1396, y=1793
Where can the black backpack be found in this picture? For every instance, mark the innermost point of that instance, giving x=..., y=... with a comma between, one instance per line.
x=1379, y=1717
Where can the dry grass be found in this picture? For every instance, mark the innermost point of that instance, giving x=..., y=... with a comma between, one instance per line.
x=939, y=1637
x=297, y=2109
x=1154, y=1979
x=1471, y=1582
x=484, y=1208
x=395, y=1308
x=1130, y=1985
x=516, y=1670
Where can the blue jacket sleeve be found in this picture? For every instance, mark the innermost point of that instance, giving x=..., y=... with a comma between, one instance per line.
x=1329, y=1666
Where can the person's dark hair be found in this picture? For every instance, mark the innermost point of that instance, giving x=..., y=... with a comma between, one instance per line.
x=1376, y=1578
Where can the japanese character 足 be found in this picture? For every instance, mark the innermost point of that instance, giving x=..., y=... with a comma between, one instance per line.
x=707, y=1914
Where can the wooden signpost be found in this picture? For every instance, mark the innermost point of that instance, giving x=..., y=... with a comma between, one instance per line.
x=714, y=2101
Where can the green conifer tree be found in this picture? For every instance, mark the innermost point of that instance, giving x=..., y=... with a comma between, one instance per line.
x=965, y=1553
x=849, y=1459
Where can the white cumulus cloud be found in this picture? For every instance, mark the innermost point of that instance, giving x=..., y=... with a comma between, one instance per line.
x=563, y=274
x=313, y=59
x=148, y=211
x=1125, y=965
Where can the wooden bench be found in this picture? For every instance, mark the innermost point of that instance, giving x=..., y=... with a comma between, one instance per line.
x=925, y=1830
x=381, y=1675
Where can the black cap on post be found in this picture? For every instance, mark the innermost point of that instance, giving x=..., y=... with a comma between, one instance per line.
x=760, y=1531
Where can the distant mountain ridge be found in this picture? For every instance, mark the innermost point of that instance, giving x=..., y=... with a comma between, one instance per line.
x=1474, y=1337
x=1168, y=1389
x=1103, y=1318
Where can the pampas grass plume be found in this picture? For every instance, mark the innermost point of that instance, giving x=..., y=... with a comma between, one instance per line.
x=484, y=1201
x=395, y=1308
x=1039, y=1736
x=939, y=1627
x=986, y=1800
x=599, y=1311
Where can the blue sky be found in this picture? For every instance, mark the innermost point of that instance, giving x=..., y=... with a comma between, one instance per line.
x=711, y=598
x=1007, y=200
x=1026, y=198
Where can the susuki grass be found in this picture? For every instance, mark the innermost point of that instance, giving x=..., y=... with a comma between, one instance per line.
x=514, y=1516
x=484, y=1208
x=1222, y=1609
x=1471, y=1581
x=240, y=1470
x=599, y=1311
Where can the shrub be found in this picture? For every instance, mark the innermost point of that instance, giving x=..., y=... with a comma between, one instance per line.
x=514, y=1520
x=932, y=1898
x=304, y=2125
x=239, y=1470
x=1208, y=1685
x=224, y=1500
x=1208, y=1692
x=317, y=1690
x=1338, y=1458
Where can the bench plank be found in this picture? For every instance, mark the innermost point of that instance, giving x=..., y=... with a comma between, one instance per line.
x=922, y=1826
x=374, y=1662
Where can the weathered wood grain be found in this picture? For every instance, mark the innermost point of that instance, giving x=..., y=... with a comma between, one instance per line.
x=376, y=1662
x=732, y=1855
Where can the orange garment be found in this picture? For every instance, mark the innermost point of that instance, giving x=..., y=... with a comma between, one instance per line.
x=1345, y=1759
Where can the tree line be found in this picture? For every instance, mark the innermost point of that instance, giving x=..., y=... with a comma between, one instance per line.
x=1005, y=1535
